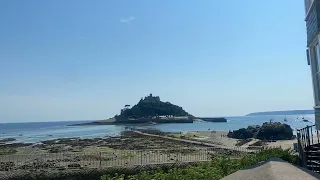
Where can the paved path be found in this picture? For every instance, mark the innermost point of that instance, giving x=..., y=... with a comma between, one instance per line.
x=242, y=149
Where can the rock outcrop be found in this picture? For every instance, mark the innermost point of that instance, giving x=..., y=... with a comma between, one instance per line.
x=268, y=131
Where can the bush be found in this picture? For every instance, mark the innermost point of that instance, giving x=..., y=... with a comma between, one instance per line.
x=218, y=168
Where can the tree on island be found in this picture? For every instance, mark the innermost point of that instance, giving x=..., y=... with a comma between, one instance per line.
x=125, y=108
x=150, y=106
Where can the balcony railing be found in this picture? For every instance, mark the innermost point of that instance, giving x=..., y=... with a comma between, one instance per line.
x=308, y=136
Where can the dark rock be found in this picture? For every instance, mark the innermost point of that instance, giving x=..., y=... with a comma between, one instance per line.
x=268, y=131
x=15, y=145
x=38, y=145
x=242, y=133
x=275, y=131
x=214, y=119
x=7, y=140
x=75, y=165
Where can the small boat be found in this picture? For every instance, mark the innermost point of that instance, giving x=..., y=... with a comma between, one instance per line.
x=285, y=118
x=305, y=120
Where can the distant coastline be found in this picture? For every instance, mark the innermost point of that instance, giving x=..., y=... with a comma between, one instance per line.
x=290, y=112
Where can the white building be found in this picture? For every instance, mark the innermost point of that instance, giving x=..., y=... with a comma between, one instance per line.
x=312, y=9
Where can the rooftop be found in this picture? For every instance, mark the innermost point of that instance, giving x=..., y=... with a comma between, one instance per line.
x=274, y=169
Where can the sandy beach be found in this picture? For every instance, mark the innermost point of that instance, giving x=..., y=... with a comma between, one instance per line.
x=216, y=137
x=220, y=137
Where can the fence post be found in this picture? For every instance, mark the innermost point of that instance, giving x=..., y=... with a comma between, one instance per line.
x=308, y=134
x=100, y=160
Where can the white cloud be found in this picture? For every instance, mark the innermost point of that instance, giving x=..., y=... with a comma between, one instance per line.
x=127, y=19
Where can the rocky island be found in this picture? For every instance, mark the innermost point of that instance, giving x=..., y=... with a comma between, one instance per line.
x=151, y=110
x=148, y=110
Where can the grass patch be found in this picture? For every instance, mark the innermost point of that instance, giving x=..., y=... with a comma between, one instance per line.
x=95, y=149
x=128, y=156
x=7, y=151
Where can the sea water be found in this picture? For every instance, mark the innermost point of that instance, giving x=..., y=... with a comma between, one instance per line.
x=39, y=131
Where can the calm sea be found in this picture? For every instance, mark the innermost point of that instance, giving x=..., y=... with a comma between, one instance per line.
x=39, y=131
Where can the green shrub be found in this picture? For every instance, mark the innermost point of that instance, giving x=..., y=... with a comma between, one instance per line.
x=218, y=168
x=7, y=151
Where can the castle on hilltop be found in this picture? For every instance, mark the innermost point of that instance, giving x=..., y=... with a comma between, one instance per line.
x=152, y=98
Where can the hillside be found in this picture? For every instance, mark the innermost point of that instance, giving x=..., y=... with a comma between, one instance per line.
x=148, y=107
x=291, y=112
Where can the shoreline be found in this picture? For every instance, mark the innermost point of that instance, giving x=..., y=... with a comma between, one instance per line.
x=145, y=146
x=211, y=136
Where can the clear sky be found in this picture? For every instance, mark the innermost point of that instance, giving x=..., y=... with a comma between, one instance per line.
x=84, y=60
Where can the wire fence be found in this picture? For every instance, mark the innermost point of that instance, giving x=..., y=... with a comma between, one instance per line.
x=114, y=158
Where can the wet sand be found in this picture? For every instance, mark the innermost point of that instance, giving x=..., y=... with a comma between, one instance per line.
x=220, y=137
x=215, y=137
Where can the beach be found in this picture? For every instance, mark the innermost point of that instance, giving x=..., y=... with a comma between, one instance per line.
x=57, y=145
x=129, y=149
x=220, y=137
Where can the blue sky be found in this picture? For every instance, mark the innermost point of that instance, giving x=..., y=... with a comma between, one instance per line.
x=84, y=60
